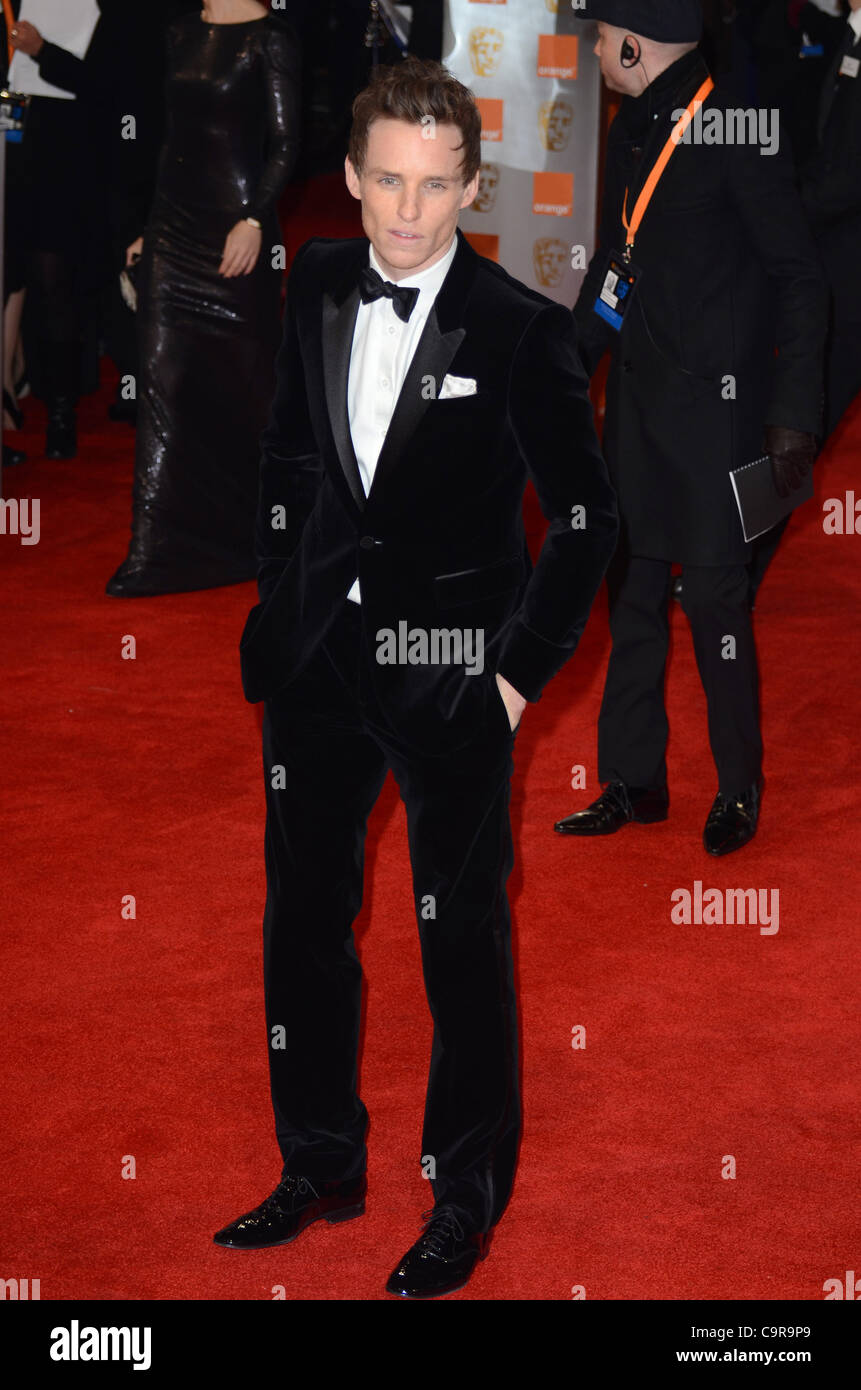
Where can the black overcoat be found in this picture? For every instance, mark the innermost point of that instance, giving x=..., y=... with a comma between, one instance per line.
x=725, y=336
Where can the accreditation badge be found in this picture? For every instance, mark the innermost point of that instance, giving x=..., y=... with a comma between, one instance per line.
x=621, y=280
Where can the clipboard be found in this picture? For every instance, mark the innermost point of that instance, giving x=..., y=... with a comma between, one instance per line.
x=69, y=24
x=759, y=504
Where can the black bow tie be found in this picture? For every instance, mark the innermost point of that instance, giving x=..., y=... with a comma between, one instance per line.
x=372, y=286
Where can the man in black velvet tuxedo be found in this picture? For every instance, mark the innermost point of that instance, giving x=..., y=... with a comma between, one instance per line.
x=401, y=626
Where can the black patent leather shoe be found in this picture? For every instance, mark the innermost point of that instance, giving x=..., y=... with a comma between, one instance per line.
x=443, y=1257
x=12, y=458
x=61, y=437
x=617, y=805
x=295, y=1204
x=732, y=821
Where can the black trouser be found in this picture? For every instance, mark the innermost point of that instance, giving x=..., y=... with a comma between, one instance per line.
x=632, y=727
x=53, y=327
x=335, y=745
x=765, y=548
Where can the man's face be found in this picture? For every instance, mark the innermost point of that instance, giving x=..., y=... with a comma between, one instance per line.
x=411, y=192
x=608, y=51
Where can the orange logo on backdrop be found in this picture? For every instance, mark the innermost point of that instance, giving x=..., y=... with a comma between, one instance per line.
x=555, y=119
x=553, y=194
x=485, y=243
x=485, y=50
x=552, y=5
x=488, y=184
x=550, y=260
x=490, y=110
x=557, y=55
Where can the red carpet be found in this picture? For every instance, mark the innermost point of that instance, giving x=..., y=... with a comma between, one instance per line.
x=145, y=1037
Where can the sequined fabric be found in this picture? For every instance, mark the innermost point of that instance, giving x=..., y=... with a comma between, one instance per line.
x=208, y=343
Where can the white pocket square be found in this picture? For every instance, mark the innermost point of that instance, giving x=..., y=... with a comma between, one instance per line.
x=454, y=386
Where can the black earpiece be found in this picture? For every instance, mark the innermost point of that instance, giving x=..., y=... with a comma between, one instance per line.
x=630, y=55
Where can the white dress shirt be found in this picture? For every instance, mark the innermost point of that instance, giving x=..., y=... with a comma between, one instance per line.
x=383, y=348
x=855, y=22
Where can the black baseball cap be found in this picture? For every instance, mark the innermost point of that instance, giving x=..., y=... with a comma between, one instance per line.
x=665, y=21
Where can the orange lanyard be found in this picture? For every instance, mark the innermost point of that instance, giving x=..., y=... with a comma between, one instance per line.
x=663, y=160
x=10, y=22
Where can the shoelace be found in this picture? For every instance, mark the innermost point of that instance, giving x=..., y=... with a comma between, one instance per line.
x=617, y=794
x=745, y=804
x=441, y=1224
x=291, y=1188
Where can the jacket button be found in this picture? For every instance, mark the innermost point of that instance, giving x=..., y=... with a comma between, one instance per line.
x=367, y=542
x=627, y=366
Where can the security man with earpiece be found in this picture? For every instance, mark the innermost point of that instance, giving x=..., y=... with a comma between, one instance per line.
x=707, y=291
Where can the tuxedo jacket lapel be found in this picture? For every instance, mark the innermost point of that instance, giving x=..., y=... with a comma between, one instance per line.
x=339, y=323
x=433, y=355
x=442, y=336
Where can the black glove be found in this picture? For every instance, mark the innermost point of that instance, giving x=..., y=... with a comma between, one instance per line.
x=793, y=454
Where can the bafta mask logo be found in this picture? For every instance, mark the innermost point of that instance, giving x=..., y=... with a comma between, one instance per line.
x=555, y=119
x=553, y=6
x=485, y=50
x=550, y=259
x=488, y=186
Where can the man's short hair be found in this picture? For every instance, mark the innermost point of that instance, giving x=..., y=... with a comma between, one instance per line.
x=422, y=93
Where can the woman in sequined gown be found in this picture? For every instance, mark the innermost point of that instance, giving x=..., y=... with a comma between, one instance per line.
x=209, y=299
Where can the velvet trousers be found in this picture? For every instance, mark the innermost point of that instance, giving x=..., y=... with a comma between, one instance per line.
x=327, y=746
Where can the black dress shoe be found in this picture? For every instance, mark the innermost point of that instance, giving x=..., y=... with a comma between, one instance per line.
x=61, y=437
x=443, y=1257
x=294, y=1204
x=615, y=807
x=732, y=820
x=13, y=457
